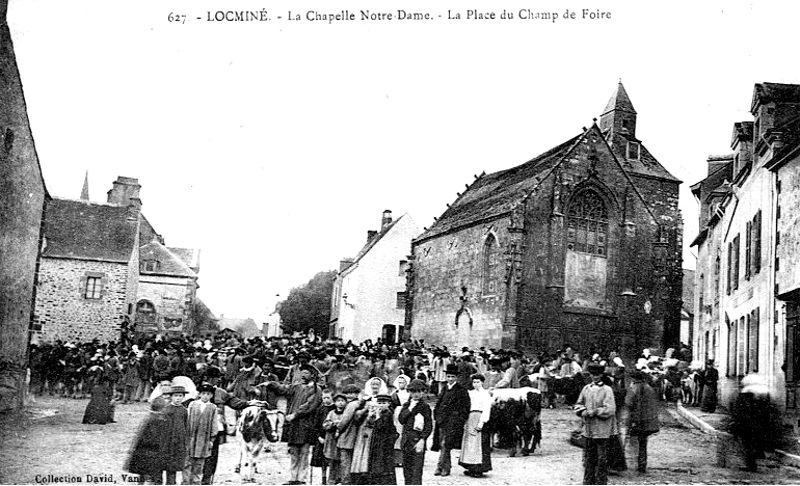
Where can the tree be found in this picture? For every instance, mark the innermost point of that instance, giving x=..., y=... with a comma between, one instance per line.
x=309, y=306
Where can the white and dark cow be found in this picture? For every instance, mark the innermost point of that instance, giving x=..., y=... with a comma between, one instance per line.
x=255, y=429
x=516, y=418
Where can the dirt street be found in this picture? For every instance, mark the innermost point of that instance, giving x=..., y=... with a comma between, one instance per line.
x=48, y=444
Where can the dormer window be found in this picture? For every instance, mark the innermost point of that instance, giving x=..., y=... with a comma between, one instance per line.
x=149, y=266
x=633, y=151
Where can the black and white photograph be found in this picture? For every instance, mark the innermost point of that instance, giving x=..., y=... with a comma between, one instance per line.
x=399, y=242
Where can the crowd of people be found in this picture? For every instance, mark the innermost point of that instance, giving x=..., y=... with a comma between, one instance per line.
x=358, y=411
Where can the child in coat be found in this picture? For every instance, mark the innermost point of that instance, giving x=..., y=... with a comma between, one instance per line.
x=147, y=454
x=331, y=451
x=318, y=458
x=202, y=430
x=177, y=427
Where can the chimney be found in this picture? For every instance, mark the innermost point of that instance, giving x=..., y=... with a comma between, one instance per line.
x=386, y=220
x=371, y=234
x=125, y=192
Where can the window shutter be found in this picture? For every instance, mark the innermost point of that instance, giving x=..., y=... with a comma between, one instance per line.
x=757, y=243
x=752, y=365
x=732, y=348
x=730, y=268
x=736, y=262
x=747, y=250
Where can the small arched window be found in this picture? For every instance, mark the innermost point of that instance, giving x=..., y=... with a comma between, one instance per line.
x=489, y=264
x=145, y=312
x=587, y=224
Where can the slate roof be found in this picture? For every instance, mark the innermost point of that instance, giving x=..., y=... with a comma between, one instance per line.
x=168, y=262
x=189, y=256
x=742, y=130
x=497, y=193
x=88, y=231
x=647, y=165
x=374, y=241
x=767, y=92
x=619, y=101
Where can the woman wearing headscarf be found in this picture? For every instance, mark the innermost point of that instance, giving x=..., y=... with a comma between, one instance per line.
x=400, y=396
x=368, y=404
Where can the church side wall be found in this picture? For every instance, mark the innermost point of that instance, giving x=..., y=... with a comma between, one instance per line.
x=443, y=267
x=61, y=308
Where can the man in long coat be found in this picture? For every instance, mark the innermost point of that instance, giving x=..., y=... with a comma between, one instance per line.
x=450, y=415
x=299, y=430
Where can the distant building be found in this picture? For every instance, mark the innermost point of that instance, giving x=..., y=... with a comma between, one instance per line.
x=245, y=328
x=580, y=247
x=89, y=270
x=369, y=292
x=22, y=200
x=99, y=275
x=167, y=289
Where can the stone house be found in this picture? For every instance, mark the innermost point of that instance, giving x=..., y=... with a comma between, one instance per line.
x=580, y=246
x=746, y=274
x=89, y=271
x=167, y=289
x=23, y=196
x=369, y=292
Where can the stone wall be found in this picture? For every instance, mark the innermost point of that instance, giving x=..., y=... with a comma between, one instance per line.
x=22, y=198
x=448, y=269
x=542, y=301
x=64, y=313
x=172, y=298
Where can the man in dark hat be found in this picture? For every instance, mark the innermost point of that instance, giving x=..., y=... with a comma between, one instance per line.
x=415, y=418
x=450, y=414
x=597, y=408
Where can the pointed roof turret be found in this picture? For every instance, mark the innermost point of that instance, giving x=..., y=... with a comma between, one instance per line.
x=619, y=101
x=85, y=190
x=619, y=117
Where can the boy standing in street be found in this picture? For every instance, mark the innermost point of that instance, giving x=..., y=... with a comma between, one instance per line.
x=203, y=429
x=415, y=416
x=177, y=427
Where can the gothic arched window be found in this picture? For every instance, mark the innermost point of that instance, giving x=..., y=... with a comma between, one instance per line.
x=489, y=264
x=587, y=224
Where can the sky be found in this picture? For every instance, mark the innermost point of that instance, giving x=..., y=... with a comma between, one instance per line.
x=274, y=146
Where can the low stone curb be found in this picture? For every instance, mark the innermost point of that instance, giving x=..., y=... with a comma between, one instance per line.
x=696, y=421
x=725, y=440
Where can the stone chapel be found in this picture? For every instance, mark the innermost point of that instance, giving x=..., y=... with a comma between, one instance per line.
x=580, y=247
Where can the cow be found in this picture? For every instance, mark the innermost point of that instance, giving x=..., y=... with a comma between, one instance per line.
x=516, y=418
x=256, y=428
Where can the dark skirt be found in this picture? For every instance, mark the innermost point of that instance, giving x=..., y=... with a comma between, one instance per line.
x=318, y=456
x=99, y=410
x=709, y=399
